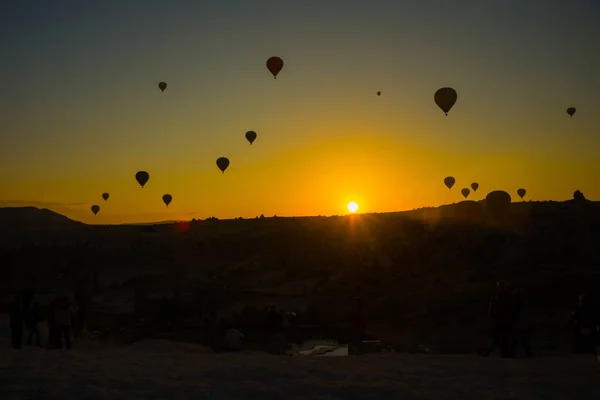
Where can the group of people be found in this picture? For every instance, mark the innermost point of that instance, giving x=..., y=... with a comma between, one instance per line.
x=274, y=332
x=512, y=324
x=25, y=322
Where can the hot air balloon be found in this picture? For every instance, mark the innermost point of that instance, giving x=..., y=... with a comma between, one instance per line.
x=445, y=99
x=95, y=209
x=275, y=65
x=222, y=163
x=465, y=192
x=378, y=93
x=521, y=192
x=251, y=136
x=497, y=202
x=167, y=198
x=105, y=196
x=571, y=111
x=449, y=181
x=162, y=86
x=474, y=186
x=142, y=177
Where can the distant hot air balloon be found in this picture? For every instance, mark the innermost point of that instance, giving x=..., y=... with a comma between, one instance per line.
x=275, y=65
x=521, y=192
x=445, y=98
x=167, y=198
x=95, y=209
x=474, y=186
x=142, y=177
x=105, y=196
x=251, y=136
x=378, y=93
x=571, y=111
x=497, y=202
x=449, y=181
x=162, y=86
x=465, y=192
x=223, y=163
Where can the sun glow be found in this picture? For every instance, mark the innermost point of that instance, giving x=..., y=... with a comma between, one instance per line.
x=352, y=207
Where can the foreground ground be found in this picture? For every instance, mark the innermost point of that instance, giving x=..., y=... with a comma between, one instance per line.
x=155, y=369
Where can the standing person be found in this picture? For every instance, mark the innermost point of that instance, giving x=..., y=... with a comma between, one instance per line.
x=53, y=333
x=360, y=324
x=31, y=321
x=63, y=317
x=274, y=325
x=15, y=312
x=502, y=312
x=585, y=323
x=523, y=325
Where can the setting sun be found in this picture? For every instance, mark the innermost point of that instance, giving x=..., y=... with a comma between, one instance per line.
x=352, y=207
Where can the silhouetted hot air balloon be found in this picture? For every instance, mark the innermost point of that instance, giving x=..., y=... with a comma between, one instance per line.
x=95, y=209
x=222, y=163
x=445, y=98
x=474, y=186
x=378, y=93
x=251, y=136
x=275, y=65
x=449, y=181
x=497, y=202
x=105, y=196
x=142, y=177
x=571, y=111
x=521, y=192
x=465, y=192
x=167, y=199
x=162, y=86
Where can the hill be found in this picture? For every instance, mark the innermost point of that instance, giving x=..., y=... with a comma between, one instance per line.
x=426, y=275
x=33, y=218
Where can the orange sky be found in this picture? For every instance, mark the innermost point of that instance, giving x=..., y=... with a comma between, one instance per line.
x=81, y=111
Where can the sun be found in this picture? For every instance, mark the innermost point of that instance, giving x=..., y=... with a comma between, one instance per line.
x=352, y=207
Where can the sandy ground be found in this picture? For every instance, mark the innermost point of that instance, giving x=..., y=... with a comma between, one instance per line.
x=155, y=369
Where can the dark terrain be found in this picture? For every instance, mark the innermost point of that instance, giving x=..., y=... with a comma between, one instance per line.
x=426, y=275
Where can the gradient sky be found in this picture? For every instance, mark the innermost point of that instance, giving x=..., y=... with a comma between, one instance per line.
x=80, y=110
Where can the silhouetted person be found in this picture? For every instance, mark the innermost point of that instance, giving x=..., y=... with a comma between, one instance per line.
x=502, y=312
x=32, y=319
x=360, y=324
x=63, y=317
x=523, y=325
x=585, y=323
x=53, y=330
x=15, y=312
x=274, y=325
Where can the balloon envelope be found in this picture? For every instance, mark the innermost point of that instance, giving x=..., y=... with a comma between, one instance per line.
x=445, y=98
x=222, y=163
x=275, y=65
x=95, y=209
x=142, y=177
x=465, y=192
x=378, y=93
x=474, y=186
x=167, y=198
x=449, y=181
x=521, y=193
x=251, y=136
x=571, y=111
x=105, y=196
x=497, y=202
x=162, y=86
